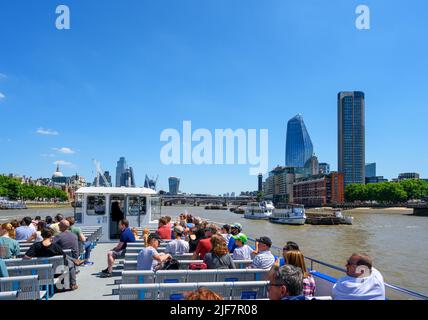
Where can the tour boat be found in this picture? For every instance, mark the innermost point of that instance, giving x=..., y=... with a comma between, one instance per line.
x=259, y=210
x=294, y=215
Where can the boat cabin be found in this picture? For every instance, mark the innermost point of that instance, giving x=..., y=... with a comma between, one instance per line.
x=105, y=206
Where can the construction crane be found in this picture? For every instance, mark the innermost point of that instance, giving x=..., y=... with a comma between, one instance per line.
x=100, y=174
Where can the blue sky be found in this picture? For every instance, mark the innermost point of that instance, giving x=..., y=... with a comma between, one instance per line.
x=128, y=70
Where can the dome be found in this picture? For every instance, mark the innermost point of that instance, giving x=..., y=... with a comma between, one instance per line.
x=57, y=173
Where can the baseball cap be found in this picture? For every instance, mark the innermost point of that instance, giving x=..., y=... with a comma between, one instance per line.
x=241, y=237
x=178, y=229
x=265, y=240
x=236, y=226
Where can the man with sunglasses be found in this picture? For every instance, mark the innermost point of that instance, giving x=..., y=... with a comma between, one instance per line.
x=286, y=283
x=362, y=281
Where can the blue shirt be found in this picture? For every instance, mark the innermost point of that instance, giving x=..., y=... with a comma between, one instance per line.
x=126, y=236
x=145, y=259
x=231, y=245
x=23, y=233
x=294, y=298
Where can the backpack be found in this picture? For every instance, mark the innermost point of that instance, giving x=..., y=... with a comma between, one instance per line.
x=171, y=264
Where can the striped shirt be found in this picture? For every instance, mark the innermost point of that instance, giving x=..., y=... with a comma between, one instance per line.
x=309, y=286
x=263, y=260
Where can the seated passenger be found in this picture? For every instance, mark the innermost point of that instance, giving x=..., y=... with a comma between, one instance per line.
x=9, y=247
x=178, y=245
x=219, y=257
x=164, y=229
x=264, y=258
x=126, y=236
x=204, y=245
x=235, y=229
x=363, y=282
x=204, y=294
x=297, y=259
x=242, y=251
x=286, y=283
x=135, y=233
x=149, y=258
x=84, y=244
x=55, y=226
x=67, y=240
x=47, y=248
x=24, y=232
x=225, y=232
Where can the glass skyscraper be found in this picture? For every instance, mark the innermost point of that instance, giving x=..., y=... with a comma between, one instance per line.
x=299, y=148
x=120, y=170
x=174, y=185
x=371, y=170
x=351, y=136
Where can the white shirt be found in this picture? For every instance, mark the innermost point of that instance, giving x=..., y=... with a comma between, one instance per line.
x=242, y=253
x=177, y=247
x=263, y=260
x=367, y=288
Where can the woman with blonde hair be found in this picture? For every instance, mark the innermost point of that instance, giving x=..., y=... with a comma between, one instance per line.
x=9, y=247
x=135, y=233
x=219, y=257
x=145, y=236
x=296, y=258
x=204, y=294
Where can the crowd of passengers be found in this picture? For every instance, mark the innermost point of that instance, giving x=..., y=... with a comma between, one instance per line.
x=218, y=248
x=48, y=238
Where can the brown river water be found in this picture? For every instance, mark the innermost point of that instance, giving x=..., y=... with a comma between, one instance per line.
x=395, y=239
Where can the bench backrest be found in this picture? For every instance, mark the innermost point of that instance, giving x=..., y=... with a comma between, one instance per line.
x=178, y=291
x=9, y=295
x=28, y=286
x=44, y=271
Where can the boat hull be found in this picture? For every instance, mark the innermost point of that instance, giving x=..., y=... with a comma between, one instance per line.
x=249, y=216
x=291, y=221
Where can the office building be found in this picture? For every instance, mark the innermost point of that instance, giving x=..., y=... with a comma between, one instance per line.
x=371, y=170
x=174, y=185
x=351, y=136
x=299, y=148
x=324, y=168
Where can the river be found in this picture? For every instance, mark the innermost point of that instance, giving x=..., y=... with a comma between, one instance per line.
x=395, y=239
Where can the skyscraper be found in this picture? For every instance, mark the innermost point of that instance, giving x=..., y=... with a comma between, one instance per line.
x=120, y=170
x=299, y=148
x=370, y=170
x=260, y=183
x=174, y=185
x=351, y=136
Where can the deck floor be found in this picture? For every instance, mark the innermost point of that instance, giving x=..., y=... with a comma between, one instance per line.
x=91, y=286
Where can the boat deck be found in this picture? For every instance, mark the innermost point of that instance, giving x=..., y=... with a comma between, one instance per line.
x=91, y=286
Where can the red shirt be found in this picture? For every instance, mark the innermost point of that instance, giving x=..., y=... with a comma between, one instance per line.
x=204, y=246
x=164, y=232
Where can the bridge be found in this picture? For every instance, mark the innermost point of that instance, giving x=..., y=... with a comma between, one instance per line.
x=197, y=200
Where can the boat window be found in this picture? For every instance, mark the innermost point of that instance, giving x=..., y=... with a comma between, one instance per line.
x=96, y=205
x=136, y=206
x=155, y=204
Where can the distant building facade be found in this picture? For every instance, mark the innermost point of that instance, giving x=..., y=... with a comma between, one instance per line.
x=174, y=185
x=351, y=136
x=408, y=175
x=370, y=170
x=120, y=170
x=319, y=190
x=377, y=179
x=324, y=168
x=278, y=186
x=312, y=165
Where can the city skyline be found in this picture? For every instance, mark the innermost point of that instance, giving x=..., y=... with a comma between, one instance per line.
x=151, y=69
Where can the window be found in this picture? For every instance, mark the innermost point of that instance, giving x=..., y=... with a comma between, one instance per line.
x=96, y=205
x=136, y=206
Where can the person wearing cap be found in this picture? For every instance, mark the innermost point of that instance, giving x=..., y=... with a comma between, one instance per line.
x=242, y=251
x=264, y=258
x=235, y=229
x=149, y=258
x=204, y=245
x=178, y=245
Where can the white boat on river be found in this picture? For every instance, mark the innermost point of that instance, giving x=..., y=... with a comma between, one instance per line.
x=259, y=210
x=294, y=215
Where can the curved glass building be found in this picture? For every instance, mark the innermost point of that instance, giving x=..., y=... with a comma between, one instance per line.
x=299, y=148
